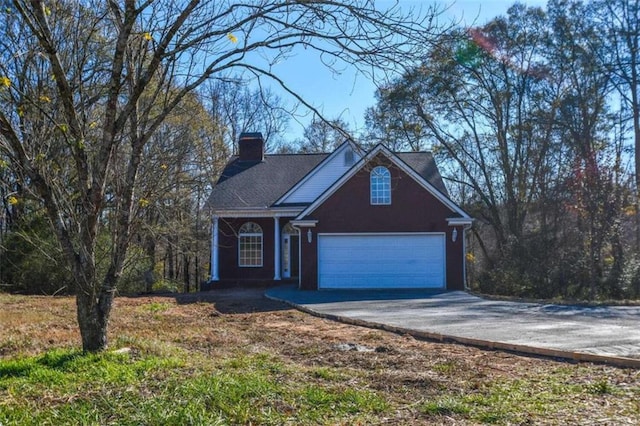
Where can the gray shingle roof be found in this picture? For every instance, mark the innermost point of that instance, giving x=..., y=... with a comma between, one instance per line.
x=246, y=184
x=424, y=164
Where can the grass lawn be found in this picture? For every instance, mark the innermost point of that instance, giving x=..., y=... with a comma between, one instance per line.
x=234, y=358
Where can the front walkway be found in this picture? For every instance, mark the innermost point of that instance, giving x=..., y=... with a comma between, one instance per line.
x=607, y=333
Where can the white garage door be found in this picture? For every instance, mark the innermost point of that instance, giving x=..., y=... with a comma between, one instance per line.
x=381, y=261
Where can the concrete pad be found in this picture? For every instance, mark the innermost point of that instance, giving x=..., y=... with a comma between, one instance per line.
x=602, y=333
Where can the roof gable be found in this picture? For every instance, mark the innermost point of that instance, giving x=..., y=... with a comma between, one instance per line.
x=322, y=176
x=441, y=195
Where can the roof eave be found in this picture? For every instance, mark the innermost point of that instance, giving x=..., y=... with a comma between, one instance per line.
x=258, y=212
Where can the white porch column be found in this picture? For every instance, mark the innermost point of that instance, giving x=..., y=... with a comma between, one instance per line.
x=214, y=250
x=277, y=262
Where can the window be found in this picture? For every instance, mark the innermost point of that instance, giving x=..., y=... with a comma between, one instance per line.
x=380, y=186
x=250, y=245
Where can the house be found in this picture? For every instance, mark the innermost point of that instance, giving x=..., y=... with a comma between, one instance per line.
x=348, y=219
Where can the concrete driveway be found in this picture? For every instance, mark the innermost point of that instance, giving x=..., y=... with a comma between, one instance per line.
x=604, y=333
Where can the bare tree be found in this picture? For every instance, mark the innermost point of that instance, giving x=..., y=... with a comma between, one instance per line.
x=519, y=113
x=585, y=124
x=180, y=162
x=86, y=85
x=322, y=135
x=239, y=108
x=619, y=30
x=478, y=99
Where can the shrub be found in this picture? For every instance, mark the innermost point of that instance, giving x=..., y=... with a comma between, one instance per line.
x=32, y=261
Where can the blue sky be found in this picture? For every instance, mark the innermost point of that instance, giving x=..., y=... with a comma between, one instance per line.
x=348, y=94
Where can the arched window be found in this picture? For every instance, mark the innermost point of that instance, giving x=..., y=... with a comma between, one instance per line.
x=380, y=186
x=250, y=245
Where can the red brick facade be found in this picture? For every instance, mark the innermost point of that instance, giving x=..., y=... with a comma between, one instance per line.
x=412, y=209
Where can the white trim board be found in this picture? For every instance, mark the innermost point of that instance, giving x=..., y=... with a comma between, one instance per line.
x=258, y=212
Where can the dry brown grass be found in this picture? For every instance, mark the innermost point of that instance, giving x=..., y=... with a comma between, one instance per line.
x=425, y=382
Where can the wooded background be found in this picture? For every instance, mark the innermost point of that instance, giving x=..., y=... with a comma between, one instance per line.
x=534, y=119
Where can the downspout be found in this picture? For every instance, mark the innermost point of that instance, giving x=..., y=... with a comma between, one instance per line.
x=277, y=260
x=214, y=264
x=297, y=228
x=464, y=256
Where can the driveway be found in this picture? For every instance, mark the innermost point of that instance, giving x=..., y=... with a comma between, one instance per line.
x=603, y=333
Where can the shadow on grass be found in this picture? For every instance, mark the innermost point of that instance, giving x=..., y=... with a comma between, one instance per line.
x=54, y=360
x=229, y=300
x=303, y=297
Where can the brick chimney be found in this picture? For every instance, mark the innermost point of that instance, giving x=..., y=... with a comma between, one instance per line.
x=251, y=147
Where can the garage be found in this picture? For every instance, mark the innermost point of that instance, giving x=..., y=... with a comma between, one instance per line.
x=381, y=261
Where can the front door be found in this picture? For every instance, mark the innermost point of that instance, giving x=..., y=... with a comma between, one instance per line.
x=290, y=255
x=286, y=256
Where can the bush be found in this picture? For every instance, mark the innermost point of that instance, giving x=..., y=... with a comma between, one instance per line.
x=32, y=261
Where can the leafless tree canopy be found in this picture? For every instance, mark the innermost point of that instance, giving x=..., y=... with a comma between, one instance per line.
x=86, y=86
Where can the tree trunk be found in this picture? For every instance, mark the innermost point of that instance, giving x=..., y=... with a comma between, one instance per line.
x=93, y=319
x=634, y=83
x=170, y=258
x=149, y=275
x=636, y=137
x=197, y=268
x=185, y=272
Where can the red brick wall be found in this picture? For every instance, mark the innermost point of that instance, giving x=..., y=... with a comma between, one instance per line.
x=228, y=250
x=412, y=209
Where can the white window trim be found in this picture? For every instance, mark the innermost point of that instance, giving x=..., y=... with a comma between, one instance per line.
x=252, y=234
x=371, y=176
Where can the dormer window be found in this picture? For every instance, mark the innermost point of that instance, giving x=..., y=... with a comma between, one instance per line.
x=380, y=186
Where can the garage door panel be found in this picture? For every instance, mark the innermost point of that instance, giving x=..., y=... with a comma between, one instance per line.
x=360, y=281
x=381, y=261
